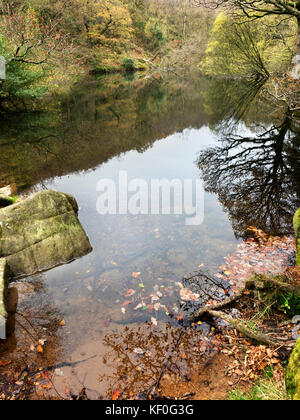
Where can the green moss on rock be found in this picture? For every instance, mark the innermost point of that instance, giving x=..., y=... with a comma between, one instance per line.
x=296, y=222
x=293, y=373
x=41, y=232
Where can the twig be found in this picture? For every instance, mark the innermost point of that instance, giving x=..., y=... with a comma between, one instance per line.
x=154, y=387
x=243, y=328
x=220, y=305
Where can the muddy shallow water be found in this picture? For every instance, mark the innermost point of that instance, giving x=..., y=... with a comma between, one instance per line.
x=151, y=130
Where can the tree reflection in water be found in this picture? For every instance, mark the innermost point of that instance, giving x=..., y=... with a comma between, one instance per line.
x=255, y=172
x=136, y=357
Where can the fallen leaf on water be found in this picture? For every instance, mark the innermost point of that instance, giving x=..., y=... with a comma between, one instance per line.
x=126, y=302
x=157, y=306
x=154, y=321
x=129, y=293
x=188, y=295
x=136, y=275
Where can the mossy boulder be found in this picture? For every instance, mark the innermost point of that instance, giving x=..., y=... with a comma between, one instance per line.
x=41, y=232
x=293, y=373
x=296, y=222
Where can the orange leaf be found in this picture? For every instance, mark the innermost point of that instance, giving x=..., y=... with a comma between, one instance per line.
x=49, y=386
x=129, y=293
x=4, y=363
x=126, y=302
x=116, y=395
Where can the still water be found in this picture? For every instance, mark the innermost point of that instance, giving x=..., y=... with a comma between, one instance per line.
x=152, y=130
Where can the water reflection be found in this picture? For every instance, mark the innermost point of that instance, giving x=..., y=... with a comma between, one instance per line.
x=152, y=130
x=99, y=119
x=255, y=168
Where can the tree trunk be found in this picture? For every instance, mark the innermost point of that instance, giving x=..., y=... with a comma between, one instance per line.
x=295, y=73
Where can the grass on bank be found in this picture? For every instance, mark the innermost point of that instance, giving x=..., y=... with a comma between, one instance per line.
x=266, y=389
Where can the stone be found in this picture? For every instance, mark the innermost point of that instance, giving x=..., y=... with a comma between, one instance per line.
x=296, y=319
x=296, y=222
x=293, y=373
x=9, y=190
x=41, y=232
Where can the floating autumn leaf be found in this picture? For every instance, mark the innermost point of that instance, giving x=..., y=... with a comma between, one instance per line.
x=154, y=321
x=126, y=302
x=187, y=295
x=130, y=293
x=157, y=306
x=136, y=275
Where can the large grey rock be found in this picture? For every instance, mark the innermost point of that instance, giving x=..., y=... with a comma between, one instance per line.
x=41, y=232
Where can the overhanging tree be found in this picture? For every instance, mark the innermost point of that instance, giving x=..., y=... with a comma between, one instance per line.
x=257, y=9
